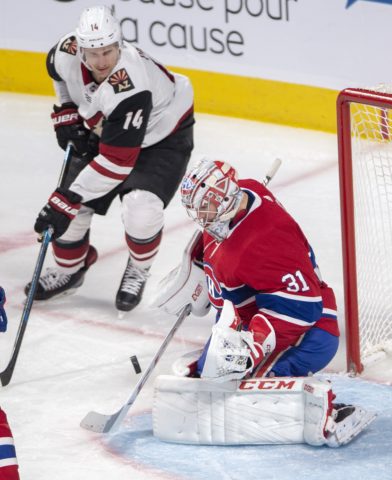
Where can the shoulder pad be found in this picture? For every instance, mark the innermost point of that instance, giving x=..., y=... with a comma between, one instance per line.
x=50, y=65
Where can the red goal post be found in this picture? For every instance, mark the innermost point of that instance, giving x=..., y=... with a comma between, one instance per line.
x=365, y=175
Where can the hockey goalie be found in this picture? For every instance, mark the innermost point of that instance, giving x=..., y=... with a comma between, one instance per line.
x=276, y=325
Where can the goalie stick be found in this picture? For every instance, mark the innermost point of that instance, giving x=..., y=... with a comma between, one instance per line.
x=6, y=375
x=271, y=172
x=101, y=423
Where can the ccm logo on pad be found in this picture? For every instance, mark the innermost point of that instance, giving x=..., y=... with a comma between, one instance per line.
x=267, y=385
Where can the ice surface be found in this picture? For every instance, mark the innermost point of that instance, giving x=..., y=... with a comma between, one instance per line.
x=76, y=353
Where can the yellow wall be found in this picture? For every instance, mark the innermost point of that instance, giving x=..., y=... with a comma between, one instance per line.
x=216, y=93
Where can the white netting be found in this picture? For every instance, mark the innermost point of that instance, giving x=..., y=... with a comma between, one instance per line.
x=372, y=180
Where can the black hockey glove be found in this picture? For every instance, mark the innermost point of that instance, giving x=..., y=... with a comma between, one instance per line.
x=60, y=210
x=68, y=125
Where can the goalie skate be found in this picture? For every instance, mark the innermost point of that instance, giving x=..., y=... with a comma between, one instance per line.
x=349, y=422
x=55, y=282
x=131, y=288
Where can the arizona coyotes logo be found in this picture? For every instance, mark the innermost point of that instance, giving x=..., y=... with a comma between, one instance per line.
x=69, y=46
x=120, y=81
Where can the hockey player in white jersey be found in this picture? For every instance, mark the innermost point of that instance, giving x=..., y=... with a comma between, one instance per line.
x=131, y=123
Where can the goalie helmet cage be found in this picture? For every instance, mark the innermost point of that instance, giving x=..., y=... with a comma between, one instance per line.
x=365, y=174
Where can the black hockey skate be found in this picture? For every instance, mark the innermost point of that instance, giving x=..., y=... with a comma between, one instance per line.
x=54, y=282
x=348, y=422
x=131, y=288
x=341, y=411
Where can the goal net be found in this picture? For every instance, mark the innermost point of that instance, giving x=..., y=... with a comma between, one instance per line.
x=365, y=169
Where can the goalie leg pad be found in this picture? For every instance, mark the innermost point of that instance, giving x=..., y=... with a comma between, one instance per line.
x=197, y=411
x=318, y=408
x=255, y=411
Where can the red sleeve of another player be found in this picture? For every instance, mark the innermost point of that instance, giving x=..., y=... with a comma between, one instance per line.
x=8, y=461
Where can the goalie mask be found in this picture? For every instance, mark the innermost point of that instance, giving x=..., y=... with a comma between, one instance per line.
x=211, y=195
x=97, y=28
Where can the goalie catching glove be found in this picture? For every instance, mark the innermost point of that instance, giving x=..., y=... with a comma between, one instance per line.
x=62, y=207
x=233, y=353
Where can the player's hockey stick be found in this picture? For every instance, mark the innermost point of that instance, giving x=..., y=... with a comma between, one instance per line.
x=6, y=375
x=100, y=423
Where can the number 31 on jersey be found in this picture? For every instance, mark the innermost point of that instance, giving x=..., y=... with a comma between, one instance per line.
x=296, y=282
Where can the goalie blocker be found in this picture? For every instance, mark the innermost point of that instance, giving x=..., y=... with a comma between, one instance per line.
x=197, y=411
x=186, y=284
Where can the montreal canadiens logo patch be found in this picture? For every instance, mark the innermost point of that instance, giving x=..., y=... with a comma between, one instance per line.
x=69, y=46
x=120, y=81
x=214, y=289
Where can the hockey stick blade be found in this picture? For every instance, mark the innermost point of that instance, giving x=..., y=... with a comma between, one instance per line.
x=100, y=423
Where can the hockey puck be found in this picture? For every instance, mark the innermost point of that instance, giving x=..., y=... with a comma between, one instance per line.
x=136, y=364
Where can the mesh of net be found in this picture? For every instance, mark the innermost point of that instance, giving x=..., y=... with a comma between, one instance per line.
x=372, y=180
